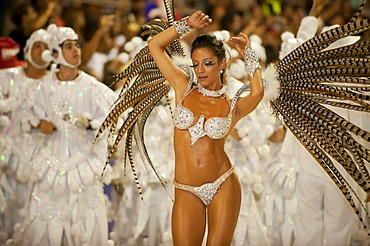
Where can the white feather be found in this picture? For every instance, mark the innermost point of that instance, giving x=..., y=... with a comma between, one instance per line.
x=270, y=75
x=181, y=60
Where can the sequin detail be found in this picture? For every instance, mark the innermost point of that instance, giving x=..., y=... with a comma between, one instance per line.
x=217, y=127
x=182, y=27
x=206, y=192
x=196, y=131
x=251, y=61
x=214, y=127
x=183, y=117
x=210, y=93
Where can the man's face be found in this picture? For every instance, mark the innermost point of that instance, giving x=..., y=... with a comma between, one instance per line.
x=36, y=52
x=71, y=52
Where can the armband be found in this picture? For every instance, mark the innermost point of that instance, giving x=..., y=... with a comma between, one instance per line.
x=251, y=61
x=182, y=27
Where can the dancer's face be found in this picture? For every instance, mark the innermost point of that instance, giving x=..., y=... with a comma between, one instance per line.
x=207, y=67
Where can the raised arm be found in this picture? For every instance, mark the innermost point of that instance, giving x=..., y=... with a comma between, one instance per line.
x=247, y=104
x=317, y=7
x=175, y=76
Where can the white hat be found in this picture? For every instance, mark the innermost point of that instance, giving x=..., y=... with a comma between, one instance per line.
x=58, y=36
x=40, y=35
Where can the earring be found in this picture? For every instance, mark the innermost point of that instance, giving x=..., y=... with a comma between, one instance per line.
x=222, y=71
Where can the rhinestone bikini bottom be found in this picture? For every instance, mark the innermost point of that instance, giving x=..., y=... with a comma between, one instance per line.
x=207, y=191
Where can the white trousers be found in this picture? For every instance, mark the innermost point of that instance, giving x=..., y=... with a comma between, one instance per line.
x=324, y=216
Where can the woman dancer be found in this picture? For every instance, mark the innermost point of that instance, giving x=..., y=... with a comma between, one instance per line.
x=207, y=193
x=300, y=84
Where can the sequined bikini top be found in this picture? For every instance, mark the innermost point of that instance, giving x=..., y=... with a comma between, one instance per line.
x=214, y=127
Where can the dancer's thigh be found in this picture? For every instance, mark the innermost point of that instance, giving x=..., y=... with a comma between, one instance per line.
x=188, y=219
x=223, y=213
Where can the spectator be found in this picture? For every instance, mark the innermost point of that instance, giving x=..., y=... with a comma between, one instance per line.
x=100, y=46
x=106, y=23
x=28, y=20
x=74, y=18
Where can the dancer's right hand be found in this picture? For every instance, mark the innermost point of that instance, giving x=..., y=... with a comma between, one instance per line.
x=199, y=20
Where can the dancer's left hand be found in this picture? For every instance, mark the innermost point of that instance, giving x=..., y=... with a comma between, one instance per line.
x=241, y=41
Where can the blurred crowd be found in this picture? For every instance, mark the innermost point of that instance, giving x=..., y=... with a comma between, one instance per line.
x=105, y=27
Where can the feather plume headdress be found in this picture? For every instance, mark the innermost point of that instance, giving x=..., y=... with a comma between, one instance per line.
x=307, y=79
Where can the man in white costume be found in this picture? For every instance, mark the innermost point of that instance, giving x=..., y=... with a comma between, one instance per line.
x=67, y=203
x=17, y=145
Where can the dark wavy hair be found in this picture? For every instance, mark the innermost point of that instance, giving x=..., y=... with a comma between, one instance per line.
x=210, y=42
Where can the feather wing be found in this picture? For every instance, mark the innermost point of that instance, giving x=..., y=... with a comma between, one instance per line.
x=143, y=87
x=312, y=77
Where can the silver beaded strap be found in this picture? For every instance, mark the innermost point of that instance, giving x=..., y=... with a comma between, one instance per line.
x=182, y=27
x=266, y=85
x=251, y=61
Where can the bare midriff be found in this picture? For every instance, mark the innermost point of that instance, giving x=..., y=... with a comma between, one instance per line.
x=201, y=163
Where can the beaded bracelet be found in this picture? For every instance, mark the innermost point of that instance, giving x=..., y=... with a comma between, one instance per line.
x=251, y=61
x=182, y=27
